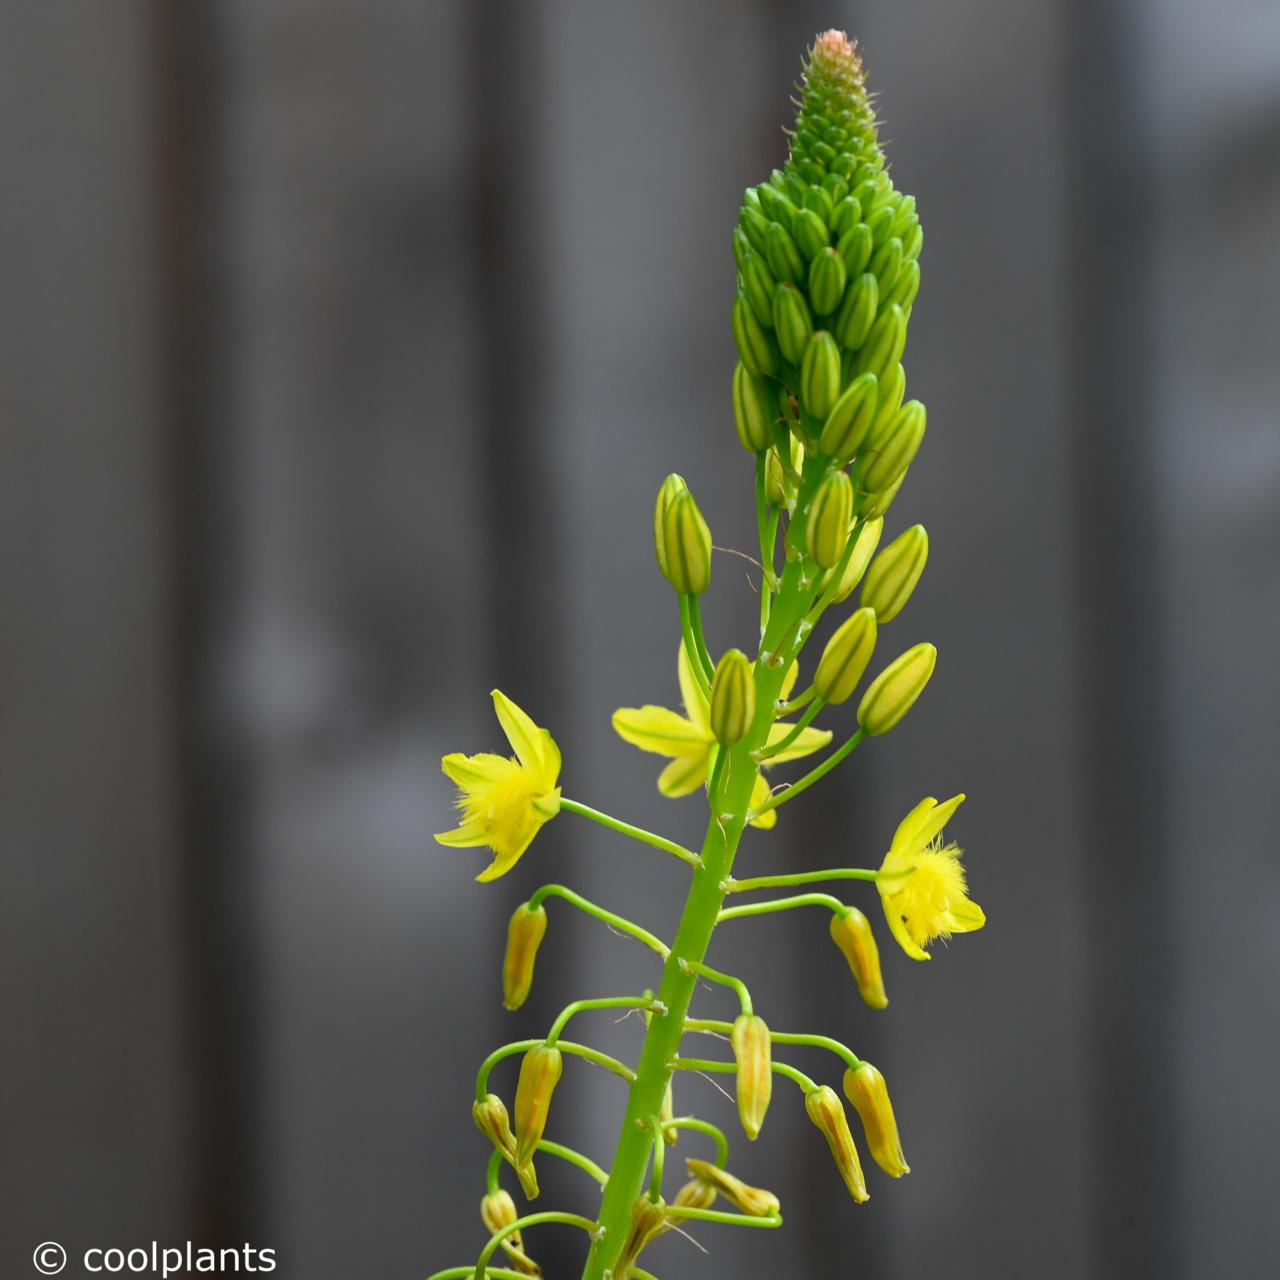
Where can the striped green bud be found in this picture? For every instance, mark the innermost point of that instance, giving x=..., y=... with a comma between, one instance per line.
x=540, y=1071
x=741, y=246
x=648, y=1219
x=855, y=247
x=894, y=573
x=820, y=201
x=755, y=226
x=682, y=539
x=733, y=698
x=899, y=450
x=829, y=517
x=791, y=321
x=755, y=343
x=913, y=243
x=864, y=546
x=811, y=233
x=885, y=264
x=849, y=420
x=892, y=390
x=781, y=254
x=877, y=504
x=884, y=344
x=827, y=276
x=851, y=932
x=894, y=691
x=880, y=221
x=757, y=287
x=775, y=205
x=846, y=215
x=752, y=409
x=820, y=375
x=752, y=1051
x=905, y=288
x=527, y=928
x=846, y=656
x=775, y=480
x=858, y=313
x=906, y=218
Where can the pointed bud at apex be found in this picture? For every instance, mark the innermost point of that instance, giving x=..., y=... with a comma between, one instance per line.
x=894, y=691
x=648, y=1218
x=824, y=1108
x=851, y=932
x=894, y=573
x=864, y=1086
x=540, y=1072
x=830, y=515
x=498, y=1210
x=849, y=420
x=820, y=375
x=755, y=1202
x=827, y=277
x=752, y=410
x=791, y=321
x=899, y=450
x=733, y=698
x=845, y=658
x=525, y=932
x=864, y=546
x=681, y=539
x=753, y=1052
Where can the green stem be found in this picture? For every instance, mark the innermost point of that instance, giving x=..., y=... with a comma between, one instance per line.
x=731, y=1068
x=605, y=1002
x=700, y=672
x=800, y=877
x=621, y=923
x=768, y=753
x=786, y=708
x=492, y=1180
x=627, y=829
x=494, y=1273
x=814, y=775
x=585, y=1163
x=729, y=802
x=724, y=979
x=712, y=1131
x=783, y=1037
x=780, y=904
x=520, y=1224
x=719, y=1215
x=700, y=640
x=593, y=1056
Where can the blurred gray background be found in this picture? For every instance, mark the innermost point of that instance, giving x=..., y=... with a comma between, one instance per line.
x=344, y=348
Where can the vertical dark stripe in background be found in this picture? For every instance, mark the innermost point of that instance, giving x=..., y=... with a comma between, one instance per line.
x=1134, y=1128
x=213, y=776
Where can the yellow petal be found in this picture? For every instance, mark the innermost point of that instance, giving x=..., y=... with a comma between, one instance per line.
x=898, y=927
x=470, y=772
x=695, y=701
x=684, y=775
x=902, y=837
x=925, y=824
x=525, y=737
x=550, y=759
x=968, y=917
x=659, y=730
x=760, y=793
x=789, y=681
x=807, y=742
x=467, y=836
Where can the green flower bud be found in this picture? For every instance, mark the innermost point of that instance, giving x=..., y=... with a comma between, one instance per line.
x=894, y=573
x=914, y=242
x=672, y=486
x=885, y=264
x=827, y=276
x=858, y=312
x=880, y=220
x=810, y=232
x=846, y=215
x=849, y=420
x=755, y=226
x=820, y=201
x=540, y=1071
x=741, y=246
x=775, y=206
x=752, y=410
x=876, y=504
x=906, y=218
x=894, y=691
x=498, y=1210
x=733, y=698
x=757, y=287
x=892, y=390
x=905, y=288
x=864, y=546
x=648, y=1219
x=855, y=248
x=899, y=450
x=846, y=656
x=884, y=344
x=755, y=344
x=829, y=517
x=683, y=540
x=820, y=375
x=775, y=480
x=781, y=254
x=752, y=1051
x=527, y=928
x=756, y=1202
x=791, y=321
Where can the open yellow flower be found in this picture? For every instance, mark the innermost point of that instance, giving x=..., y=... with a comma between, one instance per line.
x=688, y=739
x=921, y=882
x=505, y=801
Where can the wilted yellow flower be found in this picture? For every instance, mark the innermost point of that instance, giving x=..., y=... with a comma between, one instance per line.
x=922, y=884
x=756, y=1202
x=688, y=739
x=504, y=801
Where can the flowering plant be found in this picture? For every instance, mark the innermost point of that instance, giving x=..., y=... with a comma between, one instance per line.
x=828, y=270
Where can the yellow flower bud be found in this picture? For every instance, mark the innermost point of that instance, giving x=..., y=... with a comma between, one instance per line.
x=824, y=1108
x=752, y=410
x=525, y=932
x=540, y=1072
x=858, y=312
x=791, y=321
x=846, y=656
x=648, y=1217
x=827, y=522
x=894, y=691
x=733, y=698
x=892, y=389
x=864, y=545
x=899, y=450
x=864, y=1086
x=894, y=573
x=756, y=345
x=827, y=277
x=849, y=420
x=820, y=375
x=755, y=1202
x=752, y=1050
x=683, y=541
x=671, y=488
x=851, y=932
x=775, y=481
x=884, y=344
x=498, y=1210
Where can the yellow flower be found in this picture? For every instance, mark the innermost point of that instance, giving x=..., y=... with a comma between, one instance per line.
x=922, y=884
x=688, y=739
x=504, y=801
